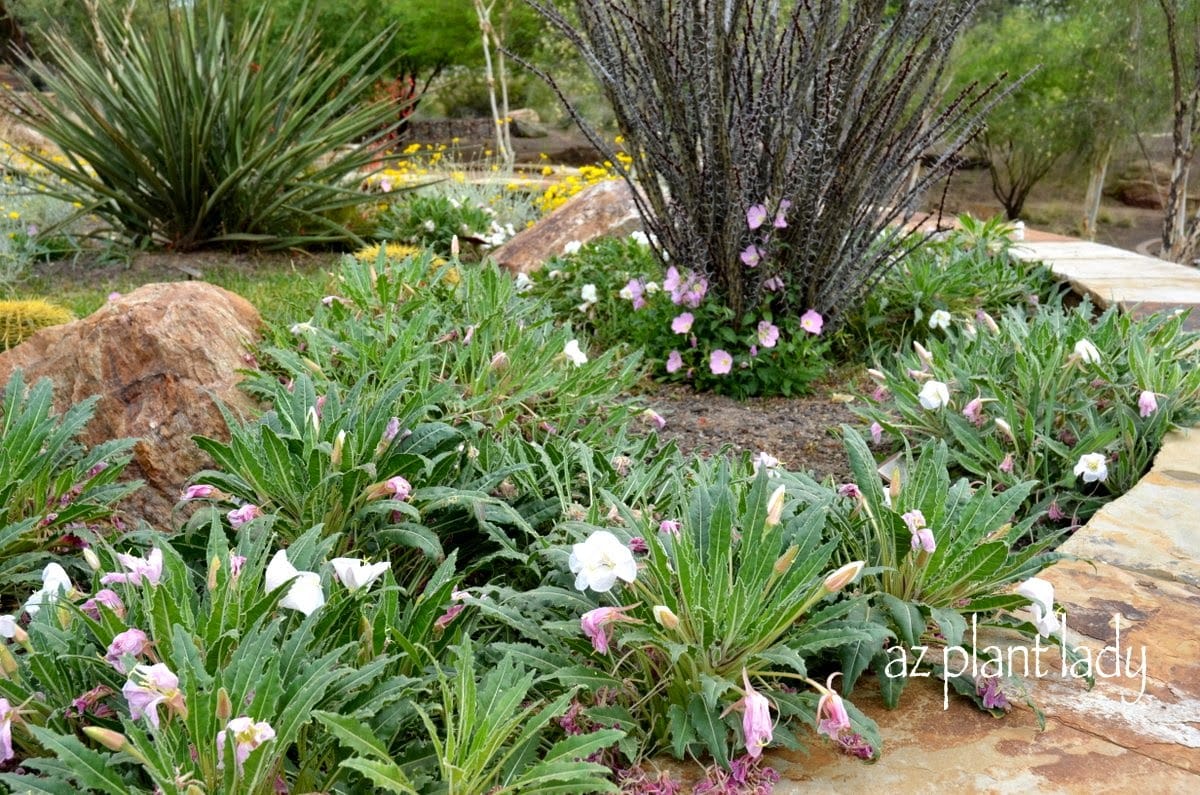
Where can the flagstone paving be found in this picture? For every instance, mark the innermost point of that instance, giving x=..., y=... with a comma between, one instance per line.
x=1132, y=600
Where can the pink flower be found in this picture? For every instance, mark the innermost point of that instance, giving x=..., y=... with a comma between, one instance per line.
x=923, y=538
x=876, y=432
x=670, y=526
x=812, y=322
x=991, y=691
x=392, y=429
x=244, y=515
x=1147, y=403
x=974, y=412
x=850, y=490
x=149, y=567
x=114, y=296
x=105, y=597
x=654, y=418
x=720, y=362
x=672, y=281
x=751, y=256
x=831, y=713
x=756, y=216
x=768, y=334
x=682, y=324
x=638, y=545
x=198, y=492
x=597, y=625
x=780, y=219
x=915, y=520
x=1007, y=464
x=398, y=487
x=235, y=564
x=1055, y=513
x=674, y=361
x=247, y=736
x=774, y=284
x=446, y=618
x=7, y=713
x=757, y=728
x=151, y=685
x=132, y=642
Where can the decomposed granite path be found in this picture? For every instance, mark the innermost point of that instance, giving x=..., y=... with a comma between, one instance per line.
x=1136, y=589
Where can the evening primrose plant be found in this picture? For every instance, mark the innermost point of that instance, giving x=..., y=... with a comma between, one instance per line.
x=699, y=628
x=1079, y=406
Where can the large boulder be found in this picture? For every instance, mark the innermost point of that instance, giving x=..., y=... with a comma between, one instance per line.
x=606, y=208
x=159, y=358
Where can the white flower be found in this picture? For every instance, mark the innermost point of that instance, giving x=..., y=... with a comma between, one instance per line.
x=939, y=319
x=1087, y=352
x=354, y=573
x=588, y=293
x=571, y=351
x=1041, y=593
x=524, y=283
x=305, y=594
x=1093, y=467
x=625, y=293
x=639, y=237
x=302, y=328
x=652, y=288
x=934, y=395
x=429, y=226
x=762, y=459
x=555, y=274
x=572, y=248
x=8, y=627
x=600, y=561
x=54, y=582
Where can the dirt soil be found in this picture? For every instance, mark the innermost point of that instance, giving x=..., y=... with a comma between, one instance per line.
x=799, y=431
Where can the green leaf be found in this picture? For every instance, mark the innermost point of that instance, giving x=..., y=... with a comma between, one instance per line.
x=93, y=769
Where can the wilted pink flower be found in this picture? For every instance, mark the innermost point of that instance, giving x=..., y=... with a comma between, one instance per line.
x=7, y=714
x=398, y=487
x=1055, y=513
x=670, y=526
x=674, y=361
x=682, y=323
x=768, y=334
x=1007, y=464
x=812, y=322
x=597, y=625
x=197, y=492
x=832, y=718
x=90, y=702
x=757, y=728
x=392, y=429
x=923, y=538
x=876, y=432
x=151, y=685
x=446, y=618
x=880, y=394
x=243, y=515
x=974, y=412
x=638, y=545
x=774, y=284
x=137, y=568
x=780, y=216
x=850, y=490
x=753, y=351
x=1147, y=403
x=235, y=564
x=132, y=642
x=914, y=519
x=991, y=691
x=720, y=362
x=751, y=256
x=756, y=215
x=105, y=597
x=247, y=735
x=654, y=418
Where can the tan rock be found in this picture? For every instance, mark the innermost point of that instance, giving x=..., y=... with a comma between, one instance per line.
x=157, y=357
x=606, y=208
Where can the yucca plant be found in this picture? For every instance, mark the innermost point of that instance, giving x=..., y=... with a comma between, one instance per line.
x=192, y=132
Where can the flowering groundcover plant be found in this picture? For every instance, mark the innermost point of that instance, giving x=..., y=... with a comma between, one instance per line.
x=1076, y=405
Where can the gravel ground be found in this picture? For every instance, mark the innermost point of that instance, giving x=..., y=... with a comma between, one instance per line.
x=801, y=432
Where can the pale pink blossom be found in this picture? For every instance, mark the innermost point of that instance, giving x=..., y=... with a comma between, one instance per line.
x=757, y=727
x=720, y=362
x=812, y=322
x=1006, y=465
x=597, y=625
x=876, y=432
x=923, y=539
x=198, y=491
x=247, y=736
x=7, y=714
x=756, y=215
x=243, y=515
x=974, y=412
x=132, y=643
x=674, y=361
x=751, y=256
x=137, y=568
x=781, y=215
x=768, y=334
x=670, y=527
x=1147, y=403
x=652, y=417
x=148, y=687
x=682, y=323
x=397, y=487
x=105, y=597
x=832, y=718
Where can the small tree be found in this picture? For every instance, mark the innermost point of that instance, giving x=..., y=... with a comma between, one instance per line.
x=815, y=111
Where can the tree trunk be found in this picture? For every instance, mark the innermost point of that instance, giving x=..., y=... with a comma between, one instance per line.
x=1095, y=189
x=1180, y=242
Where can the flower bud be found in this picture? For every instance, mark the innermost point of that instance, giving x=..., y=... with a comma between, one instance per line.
x=786, y=559
x=1005, y=429
x=112, y=740
x=454, y=246
x=877, y=375
x=224, y=706
x=775, y=506
x=988, y=322
x=844, y=576
x=923, y=354
x=335, y=457
x=666, y=618
x=8, y=663
x=314, y=419
x=312, y=366
x=214, y=566
x=500, y=362
x=91, y=558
